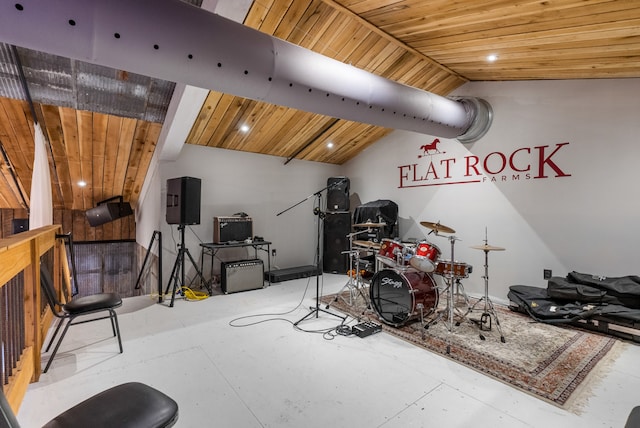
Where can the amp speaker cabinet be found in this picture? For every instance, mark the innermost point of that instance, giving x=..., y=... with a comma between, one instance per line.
x=241, y=275
x=183, y=200
x=337, y=226
x=338, y=194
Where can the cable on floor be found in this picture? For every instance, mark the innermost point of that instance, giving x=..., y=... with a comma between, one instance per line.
x=233, y=322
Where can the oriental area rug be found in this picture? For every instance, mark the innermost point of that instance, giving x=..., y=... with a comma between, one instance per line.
x=551, y=362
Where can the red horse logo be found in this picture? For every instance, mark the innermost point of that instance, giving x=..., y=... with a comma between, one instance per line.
x=428, y=148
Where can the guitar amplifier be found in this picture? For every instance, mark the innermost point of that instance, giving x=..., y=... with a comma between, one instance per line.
x=241, y=275
x=232, y=229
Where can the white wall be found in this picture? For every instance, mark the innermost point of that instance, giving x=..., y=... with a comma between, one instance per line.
x=259, y=185
x=585, y=222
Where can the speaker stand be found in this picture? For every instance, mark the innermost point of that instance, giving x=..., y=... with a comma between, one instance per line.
x=177, y=273
x=156, y=235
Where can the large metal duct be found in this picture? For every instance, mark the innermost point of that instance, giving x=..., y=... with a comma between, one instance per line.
x=173, y=40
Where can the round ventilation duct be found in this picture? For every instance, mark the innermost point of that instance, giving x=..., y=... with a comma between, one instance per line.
x=175, y=41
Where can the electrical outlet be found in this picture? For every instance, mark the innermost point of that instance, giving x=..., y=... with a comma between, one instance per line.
x=546, y=274
x=273, y=252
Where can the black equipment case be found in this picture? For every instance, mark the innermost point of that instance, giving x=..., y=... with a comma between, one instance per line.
x=595, y=314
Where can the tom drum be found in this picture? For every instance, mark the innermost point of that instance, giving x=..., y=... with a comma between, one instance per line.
x=393, y=253
x=425, y=257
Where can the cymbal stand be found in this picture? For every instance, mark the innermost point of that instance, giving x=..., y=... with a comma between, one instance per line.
x=350, y=283
x=360, y=287
x=449, y=311
x=450, y=294
x=460, y=292
x=489, y=311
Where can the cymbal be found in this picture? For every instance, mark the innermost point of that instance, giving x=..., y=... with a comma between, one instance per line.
x=437, y=227
x=368, y=244
x=370, y=225
x=487, y=247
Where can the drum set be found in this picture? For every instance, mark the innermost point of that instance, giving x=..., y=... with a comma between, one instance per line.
x=401, y=283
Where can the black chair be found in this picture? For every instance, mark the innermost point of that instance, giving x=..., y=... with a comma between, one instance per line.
x=127, y=405
x=633, y=420
x=86, y=305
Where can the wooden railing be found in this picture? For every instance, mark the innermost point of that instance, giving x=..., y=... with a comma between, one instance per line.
x=24, y=316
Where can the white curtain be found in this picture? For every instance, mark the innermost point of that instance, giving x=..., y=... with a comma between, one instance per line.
x=41, y=210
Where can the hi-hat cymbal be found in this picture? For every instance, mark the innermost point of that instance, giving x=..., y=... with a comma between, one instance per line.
x=487, y=247
x=370, y=225
x=367, y=244
x=437, y=227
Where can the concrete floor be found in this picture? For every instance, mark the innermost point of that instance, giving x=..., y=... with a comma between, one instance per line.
x=269, y=374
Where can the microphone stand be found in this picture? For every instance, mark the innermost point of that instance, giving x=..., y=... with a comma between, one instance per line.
x=316, y=211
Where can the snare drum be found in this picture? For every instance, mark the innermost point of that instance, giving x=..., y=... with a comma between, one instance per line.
x=392, y=253
x=425, y=257
x=398, y=296
x=460, y=270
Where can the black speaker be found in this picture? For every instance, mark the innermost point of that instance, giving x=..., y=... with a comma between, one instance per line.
x=241, y=275
x=108, y=211
x=19, y=225
x=337, y=225
x=338, y=194
x=183, y=200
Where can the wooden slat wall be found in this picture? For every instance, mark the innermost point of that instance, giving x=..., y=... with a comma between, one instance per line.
x=111, y=154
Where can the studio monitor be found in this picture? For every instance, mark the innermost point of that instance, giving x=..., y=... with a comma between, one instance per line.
x=338, y=194
x=183, y=200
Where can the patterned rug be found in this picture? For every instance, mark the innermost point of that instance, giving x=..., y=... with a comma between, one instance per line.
x=548, y=361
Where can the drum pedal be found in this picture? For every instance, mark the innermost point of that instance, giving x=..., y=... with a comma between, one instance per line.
x=365, y=329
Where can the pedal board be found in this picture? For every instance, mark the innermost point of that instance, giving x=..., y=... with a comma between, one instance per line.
x=365, y=329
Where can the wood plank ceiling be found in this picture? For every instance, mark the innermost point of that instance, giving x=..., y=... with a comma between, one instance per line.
x=436, y=46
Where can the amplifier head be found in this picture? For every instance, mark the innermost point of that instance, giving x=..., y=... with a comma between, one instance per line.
x=232, y=229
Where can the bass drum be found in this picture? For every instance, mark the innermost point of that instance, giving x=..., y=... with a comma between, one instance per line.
x=397, y=296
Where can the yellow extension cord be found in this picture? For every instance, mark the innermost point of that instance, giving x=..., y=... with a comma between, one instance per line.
x=188, y=293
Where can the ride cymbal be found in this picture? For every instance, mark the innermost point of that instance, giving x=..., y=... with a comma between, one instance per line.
x=487, y=247
x=370, y=225
x=437, y=227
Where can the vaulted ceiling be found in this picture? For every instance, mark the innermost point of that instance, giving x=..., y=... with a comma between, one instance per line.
x=103, y=126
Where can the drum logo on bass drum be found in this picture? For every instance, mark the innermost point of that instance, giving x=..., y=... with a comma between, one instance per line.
x=390, y=281
x=524, y=163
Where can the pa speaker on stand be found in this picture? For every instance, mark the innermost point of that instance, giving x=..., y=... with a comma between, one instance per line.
x=338, y=194
x=183, y=208
x=183, y=200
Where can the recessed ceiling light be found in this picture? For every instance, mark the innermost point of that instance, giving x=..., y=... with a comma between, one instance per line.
x=330, y=144
x=492, y=57
x=82, y=183
x=244, y=128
